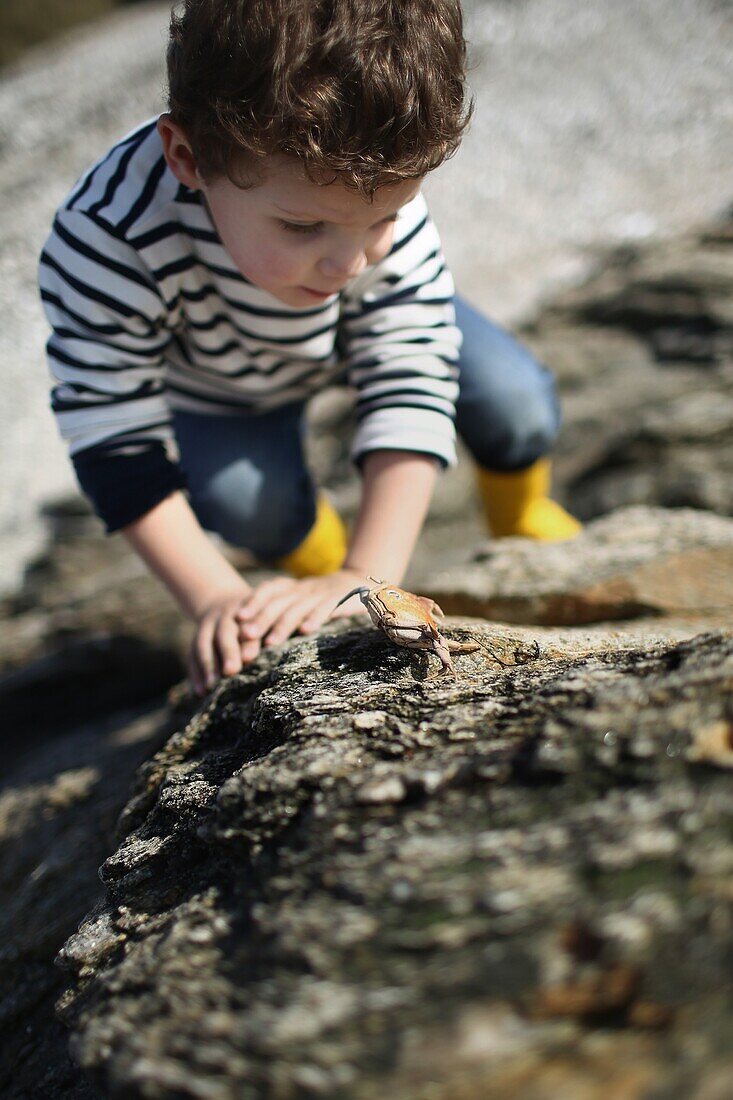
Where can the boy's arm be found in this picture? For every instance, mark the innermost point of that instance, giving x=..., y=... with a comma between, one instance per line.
x=106, y=353
x=176, y=549
x=396, y=492
x=397, y=487
x=173, y=545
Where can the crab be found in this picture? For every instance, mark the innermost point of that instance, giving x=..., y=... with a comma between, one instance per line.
x=408, y=620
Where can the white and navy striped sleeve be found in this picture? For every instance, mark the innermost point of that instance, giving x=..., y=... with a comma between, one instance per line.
x=401, y=344
x=106, y=355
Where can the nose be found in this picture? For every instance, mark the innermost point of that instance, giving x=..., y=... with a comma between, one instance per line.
x=346, y=264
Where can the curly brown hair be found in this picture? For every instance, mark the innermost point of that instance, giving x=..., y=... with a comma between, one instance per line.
x=367, y=91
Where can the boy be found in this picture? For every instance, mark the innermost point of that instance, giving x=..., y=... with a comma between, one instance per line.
x=224, y=262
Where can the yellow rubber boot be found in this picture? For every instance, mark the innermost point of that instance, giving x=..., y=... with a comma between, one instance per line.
x=323, y=549
x=518, y=503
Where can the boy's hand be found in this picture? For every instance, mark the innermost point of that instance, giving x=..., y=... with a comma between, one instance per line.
x=280, y=607
x=217, y=649
x=232, y=629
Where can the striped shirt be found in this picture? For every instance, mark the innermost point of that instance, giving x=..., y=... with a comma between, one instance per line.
x=150, y=314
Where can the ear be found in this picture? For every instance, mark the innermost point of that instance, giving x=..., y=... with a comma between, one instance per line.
x=178, y=153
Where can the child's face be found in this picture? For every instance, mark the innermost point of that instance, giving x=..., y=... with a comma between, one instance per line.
x=300, y=241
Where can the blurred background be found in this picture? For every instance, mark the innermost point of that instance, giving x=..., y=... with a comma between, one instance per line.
x=23, y=25
x=597, y=125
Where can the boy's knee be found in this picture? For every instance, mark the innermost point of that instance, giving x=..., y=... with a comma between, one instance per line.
x=512, y=427
x=267, y=516
x=533, y=432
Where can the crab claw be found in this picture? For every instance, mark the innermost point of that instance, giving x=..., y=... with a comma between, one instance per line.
x=362, y=591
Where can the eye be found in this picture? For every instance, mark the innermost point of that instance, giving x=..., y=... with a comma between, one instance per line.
x=308, y=230
x=397, y=595
x=316, y=227
x=384, y=224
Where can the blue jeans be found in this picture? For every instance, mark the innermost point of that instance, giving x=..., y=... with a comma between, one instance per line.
x=254, y=489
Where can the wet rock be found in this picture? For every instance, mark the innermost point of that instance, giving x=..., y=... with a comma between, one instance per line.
x=89, y=632
x=713, y=743
x=611, y=993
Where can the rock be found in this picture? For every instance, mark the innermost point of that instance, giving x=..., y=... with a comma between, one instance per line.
x=321, y=735
x=88, y=632
x=58, y=808
x=634, y=563
x=644, y=355
x=276, y=932
x=713, y=743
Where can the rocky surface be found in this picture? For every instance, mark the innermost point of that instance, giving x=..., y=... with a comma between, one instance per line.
x=60, y=798
x=340, y=876
x=343, y=879
x=88, y=633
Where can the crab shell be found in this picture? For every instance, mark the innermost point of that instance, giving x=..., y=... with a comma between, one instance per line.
x=406, y=619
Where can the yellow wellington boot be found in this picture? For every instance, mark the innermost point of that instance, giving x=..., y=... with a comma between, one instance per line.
x=518, y=503
x=323, y=549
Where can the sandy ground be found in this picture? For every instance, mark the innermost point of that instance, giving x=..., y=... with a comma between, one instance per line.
x=595, y=123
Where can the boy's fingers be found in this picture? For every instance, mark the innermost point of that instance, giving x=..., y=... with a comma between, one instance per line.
x=258, y=627
x=325, y=611
x=202, y=653
x=227, y=645
x=291, y=619
x=194, y=675
x=250, y=649
x=354, y=606
x=317, y=616
x=261, y=596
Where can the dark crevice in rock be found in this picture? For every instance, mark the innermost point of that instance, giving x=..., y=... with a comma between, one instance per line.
x=85, y=679
x=561, y=609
